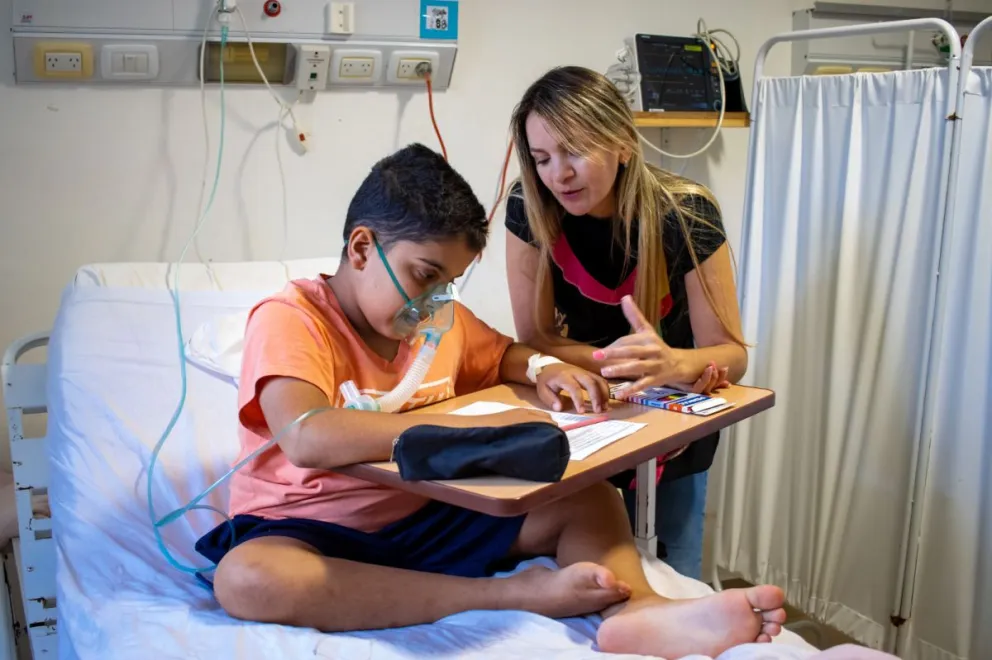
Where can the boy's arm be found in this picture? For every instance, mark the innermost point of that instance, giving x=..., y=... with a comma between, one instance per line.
x=554, y=379
x=340, y=437
x=489, y=357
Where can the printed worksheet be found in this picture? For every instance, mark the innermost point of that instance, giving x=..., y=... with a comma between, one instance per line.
x=582, y=442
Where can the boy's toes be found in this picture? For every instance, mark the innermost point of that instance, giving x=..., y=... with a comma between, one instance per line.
x=774, y=616
x=765, y=598
x=771, y=629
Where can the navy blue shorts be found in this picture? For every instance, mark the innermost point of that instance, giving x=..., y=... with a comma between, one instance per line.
x=439, y=538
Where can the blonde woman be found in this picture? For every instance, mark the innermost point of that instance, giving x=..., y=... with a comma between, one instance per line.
x=621, y=268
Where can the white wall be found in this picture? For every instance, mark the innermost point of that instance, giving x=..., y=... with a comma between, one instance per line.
x=90, y=175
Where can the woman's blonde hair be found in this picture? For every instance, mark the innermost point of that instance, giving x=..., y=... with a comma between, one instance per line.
x=587, y=115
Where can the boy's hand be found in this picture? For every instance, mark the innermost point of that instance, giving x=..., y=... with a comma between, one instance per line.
x=577, y=383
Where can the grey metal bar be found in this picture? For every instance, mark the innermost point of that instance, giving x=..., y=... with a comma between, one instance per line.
x=854, y=31
x=968, y=52
x=908, y=573
x=889, y=13
x=646, y=535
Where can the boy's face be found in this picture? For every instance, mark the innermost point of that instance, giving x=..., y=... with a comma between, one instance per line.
x=418, y=267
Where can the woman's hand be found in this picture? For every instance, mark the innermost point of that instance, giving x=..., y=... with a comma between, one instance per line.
x=578, y=383
x=713, y=378
x=644, y=358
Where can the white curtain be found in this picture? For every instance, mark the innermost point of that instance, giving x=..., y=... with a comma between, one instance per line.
x=842, y=225
x=952, y=614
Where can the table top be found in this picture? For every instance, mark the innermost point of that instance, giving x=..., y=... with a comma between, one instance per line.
x=665, y=431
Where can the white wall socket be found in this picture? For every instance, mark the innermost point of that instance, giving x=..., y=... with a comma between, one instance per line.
x=63, y=62
x=356, y=66
x=403, y=66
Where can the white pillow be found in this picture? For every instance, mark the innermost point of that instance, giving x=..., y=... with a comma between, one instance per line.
x=218, y=345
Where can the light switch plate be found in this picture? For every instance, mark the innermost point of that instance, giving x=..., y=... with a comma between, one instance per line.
x=118, y=53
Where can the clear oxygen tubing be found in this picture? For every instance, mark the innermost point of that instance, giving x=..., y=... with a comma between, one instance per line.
x=195, y=502
x=390, y=402
x=174, y=294
x=223, y=15
x=404, y=391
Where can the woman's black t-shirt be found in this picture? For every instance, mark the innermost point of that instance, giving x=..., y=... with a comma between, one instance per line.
x=588, y=268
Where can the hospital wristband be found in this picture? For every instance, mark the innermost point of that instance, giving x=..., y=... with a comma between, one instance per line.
x=536, y=364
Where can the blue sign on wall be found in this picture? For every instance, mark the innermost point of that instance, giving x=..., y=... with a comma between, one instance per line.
x=438, y=19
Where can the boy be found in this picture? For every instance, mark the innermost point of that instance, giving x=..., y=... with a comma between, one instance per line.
x=319, y=549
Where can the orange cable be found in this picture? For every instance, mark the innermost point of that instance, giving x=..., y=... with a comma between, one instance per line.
x=502, y=181
x=444, y=150
x=430, y=103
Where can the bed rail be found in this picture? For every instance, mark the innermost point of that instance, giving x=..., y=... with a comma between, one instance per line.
x=24, y=391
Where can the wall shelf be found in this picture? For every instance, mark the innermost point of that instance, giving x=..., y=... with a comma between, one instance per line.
x=691, y=119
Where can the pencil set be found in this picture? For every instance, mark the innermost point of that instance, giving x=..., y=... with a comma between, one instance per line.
x=668, y=398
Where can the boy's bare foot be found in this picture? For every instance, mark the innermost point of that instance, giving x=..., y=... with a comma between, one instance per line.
x=705, y=626
x=582, y=588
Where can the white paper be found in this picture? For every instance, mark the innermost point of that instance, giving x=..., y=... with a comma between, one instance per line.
x=482, y=408
x=582, y=442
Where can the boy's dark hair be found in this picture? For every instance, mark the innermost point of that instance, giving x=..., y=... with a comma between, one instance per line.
x=414, y=195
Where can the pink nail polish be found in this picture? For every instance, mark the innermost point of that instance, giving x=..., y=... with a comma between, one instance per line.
x=597, y=355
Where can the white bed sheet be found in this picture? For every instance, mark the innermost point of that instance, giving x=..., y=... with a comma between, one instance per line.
x=113, y=385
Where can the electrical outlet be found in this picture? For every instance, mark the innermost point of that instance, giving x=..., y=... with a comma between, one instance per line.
x=63, y=62
x=63, y=59
x=407, y=69
x=356, y=66
x=403, y=66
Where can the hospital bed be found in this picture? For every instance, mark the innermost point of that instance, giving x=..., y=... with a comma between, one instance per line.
x=94, y=583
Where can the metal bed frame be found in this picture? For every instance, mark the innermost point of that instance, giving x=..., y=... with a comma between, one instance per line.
x=24, y=394
x=24, y=390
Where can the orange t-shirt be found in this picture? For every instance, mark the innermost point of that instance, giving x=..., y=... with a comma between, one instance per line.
x=303, y=333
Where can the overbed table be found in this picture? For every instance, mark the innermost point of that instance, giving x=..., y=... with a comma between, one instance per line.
x=664, y=431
